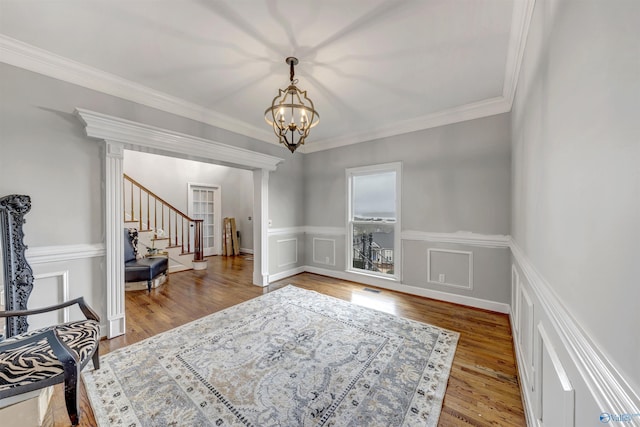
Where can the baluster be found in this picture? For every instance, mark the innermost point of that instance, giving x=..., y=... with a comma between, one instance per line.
x=140, y=206
x=169, y=219
x=133, y=214
x=148, y=214
x=188, y=236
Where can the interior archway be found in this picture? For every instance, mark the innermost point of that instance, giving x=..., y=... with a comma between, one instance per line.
x=119, y=134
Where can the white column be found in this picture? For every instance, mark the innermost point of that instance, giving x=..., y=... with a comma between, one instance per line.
x=113, y=238
x=261, y=227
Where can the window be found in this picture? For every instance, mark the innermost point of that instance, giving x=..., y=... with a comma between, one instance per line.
x=373, y=240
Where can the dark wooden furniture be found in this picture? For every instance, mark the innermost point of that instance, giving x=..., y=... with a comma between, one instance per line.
x=32, y=360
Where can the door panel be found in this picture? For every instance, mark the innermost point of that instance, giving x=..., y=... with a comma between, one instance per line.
x=204, y=204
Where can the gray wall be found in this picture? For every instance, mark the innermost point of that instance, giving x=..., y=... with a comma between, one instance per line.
x=168, y=177
x=44, y=153
x=576, y=174
x=454, y=178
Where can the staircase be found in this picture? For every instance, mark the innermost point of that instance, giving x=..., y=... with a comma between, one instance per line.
x=162, y=228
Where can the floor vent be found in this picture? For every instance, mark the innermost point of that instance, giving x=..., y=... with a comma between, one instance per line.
x=375, y=291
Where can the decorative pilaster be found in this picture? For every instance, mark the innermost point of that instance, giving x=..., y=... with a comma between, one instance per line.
x=261, y=227
x=113, y=238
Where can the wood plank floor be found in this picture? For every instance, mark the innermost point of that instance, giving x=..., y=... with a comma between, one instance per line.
x=483, y=387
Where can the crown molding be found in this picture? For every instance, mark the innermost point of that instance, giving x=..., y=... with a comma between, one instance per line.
x=23, y=55
x=19, y=54
x=115, y=129
x=475, y=110
x=520, y=20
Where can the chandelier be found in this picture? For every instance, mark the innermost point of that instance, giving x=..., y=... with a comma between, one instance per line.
x=291, y=113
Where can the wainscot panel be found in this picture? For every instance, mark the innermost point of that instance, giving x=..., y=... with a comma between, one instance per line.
x=65, y=272
x=566, y=380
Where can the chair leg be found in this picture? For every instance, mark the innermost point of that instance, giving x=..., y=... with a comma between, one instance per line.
x=149, y=285
x=71, y=393
x=96, y=358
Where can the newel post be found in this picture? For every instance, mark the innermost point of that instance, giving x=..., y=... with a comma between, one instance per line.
x=197, y=241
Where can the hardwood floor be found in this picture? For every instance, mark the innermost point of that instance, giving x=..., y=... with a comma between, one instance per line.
x=483, y=388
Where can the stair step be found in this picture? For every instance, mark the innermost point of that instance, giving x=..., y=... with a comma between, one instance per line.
x=160, y=238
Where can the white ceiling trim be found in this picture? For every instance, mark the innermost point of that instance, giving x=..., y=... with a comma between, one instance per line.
x=520, y=20
x=28, y=57
x=476, y=110
x=23, y=55
x=129, y=133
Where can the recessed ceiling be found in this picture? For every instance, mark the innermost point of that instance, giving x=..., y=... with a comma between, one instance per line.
x=372, y=68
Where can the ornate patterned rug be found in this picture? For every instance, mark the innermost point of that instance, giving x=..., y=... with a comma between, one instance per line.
x=288, y=358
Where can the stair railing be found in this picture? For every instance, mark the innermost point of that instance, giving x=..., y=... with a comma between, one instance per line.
x=154, y=213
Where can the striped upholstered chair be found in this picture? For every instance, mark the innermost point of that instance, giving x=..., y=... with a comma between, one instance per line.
x=32, y=360
x=44, y=357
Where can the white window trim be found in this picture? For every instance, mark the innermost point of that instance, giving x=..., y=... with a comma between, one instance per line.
x=397, y=242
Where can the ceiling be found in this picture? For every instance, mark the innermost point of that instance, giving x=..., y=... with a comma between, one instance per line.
x=373, y=68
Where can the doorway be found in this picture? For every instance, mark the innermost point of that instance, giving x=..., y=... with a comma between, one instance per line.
x=118, y=134
x=204, y=202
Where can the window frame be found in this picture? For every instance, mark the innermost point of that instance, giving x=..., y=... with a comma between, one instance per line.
x=397, y=241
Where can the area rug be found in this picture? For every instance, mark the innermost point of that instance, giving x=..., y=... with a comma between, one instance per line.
x=291, y=357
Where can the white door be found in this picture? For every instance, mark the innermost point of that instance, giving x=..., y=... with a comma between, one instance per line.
x=204, y=204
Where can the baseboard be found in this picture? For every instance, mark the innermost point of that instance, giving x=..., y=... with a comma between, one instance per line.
x=414, y=290
x=604, y=382
x=246, y=251
x=178, y=267
x=285, y=274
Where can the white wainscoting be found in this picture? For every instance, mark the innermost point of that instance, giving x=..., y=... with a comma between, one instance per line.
x=460, y=237
x=64, y=272
x=555, y=393
x=473, y=239
x=525, y=338
x=453, y=263
x=515, y=296
x=324, y=251
x=323, y=231
x=414, y=290
x=287, y=252
x=567, y=381
x=49, y=289
x=44, y=254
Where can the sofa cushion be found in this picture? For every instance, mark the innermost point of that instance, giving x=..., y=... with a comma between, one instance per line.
x=145, y=268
